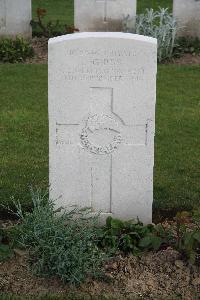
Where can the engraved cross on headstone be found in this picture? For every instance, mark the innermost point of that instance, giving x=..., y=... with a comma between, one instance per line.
x=102, y=125
x=105, y=2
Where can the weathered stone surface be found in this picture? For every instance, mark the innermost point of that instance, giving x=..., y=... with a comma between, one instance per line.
x=102, y=15
x=102, y=90
x=15, y=17
x=187, y=13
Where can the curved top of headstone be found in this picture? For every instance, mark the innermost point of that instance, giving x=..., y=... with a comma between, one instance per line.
x=119, y=35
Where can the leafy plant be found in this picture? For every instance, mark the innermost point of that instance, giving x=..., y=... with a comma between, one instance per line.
x=196, y=217
x=187, y=240
x=187, y=45
x=13, y=51
x=190, y=246
x=181, y=219
x=51, y=28
x=5, y=250
x=60, y=244
x=158, y=24
x=134, y=237
x=131, y=236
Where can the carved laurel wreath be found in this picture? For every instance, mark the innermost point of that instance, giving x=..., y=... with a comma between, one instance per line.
x=97, y=122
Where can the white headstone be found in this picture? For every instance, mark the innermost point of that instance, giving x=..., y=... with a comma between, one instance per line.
x=103, y=15
x=187, y=13
x=15, y=17
x=102, y=93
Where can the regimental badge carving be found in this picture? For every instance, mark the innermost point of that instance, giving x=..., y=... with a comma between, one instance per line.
x=101, y=134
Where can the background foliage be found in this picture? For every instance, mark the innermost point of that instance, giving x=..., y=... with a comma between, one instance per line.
x=63, y=10
x=13, y=51
x=159, y=24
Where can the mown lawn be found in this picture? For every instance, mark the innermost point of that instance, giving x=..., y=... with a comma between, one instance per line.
x=63, y=10
x=155, y=4
x=24, y=134
x=24, y=130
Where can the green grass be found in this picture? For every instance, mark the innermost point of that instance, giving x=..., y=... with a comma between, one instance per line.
x=24, y=134
x=177, y=162
x=63, y=10
x=155, y=4
x=24, y=130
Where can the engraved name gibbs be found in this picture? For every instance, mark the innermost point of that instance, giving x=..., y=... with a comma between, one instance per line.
x=100, y=65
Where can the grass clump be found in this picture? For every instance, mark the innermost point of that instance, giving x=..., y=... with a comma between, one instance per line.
x=13, y=51
x=60, y=244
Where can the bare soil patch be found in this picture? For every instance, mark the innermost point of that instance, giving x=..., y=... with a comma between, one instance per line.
x=40, y=46
x=151, y=276
x=186, y=59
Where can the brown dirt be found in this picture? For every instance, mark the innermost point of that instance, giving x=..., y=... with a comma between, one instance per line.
x=187, y=59
x=40, y=46
x=151, y=276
